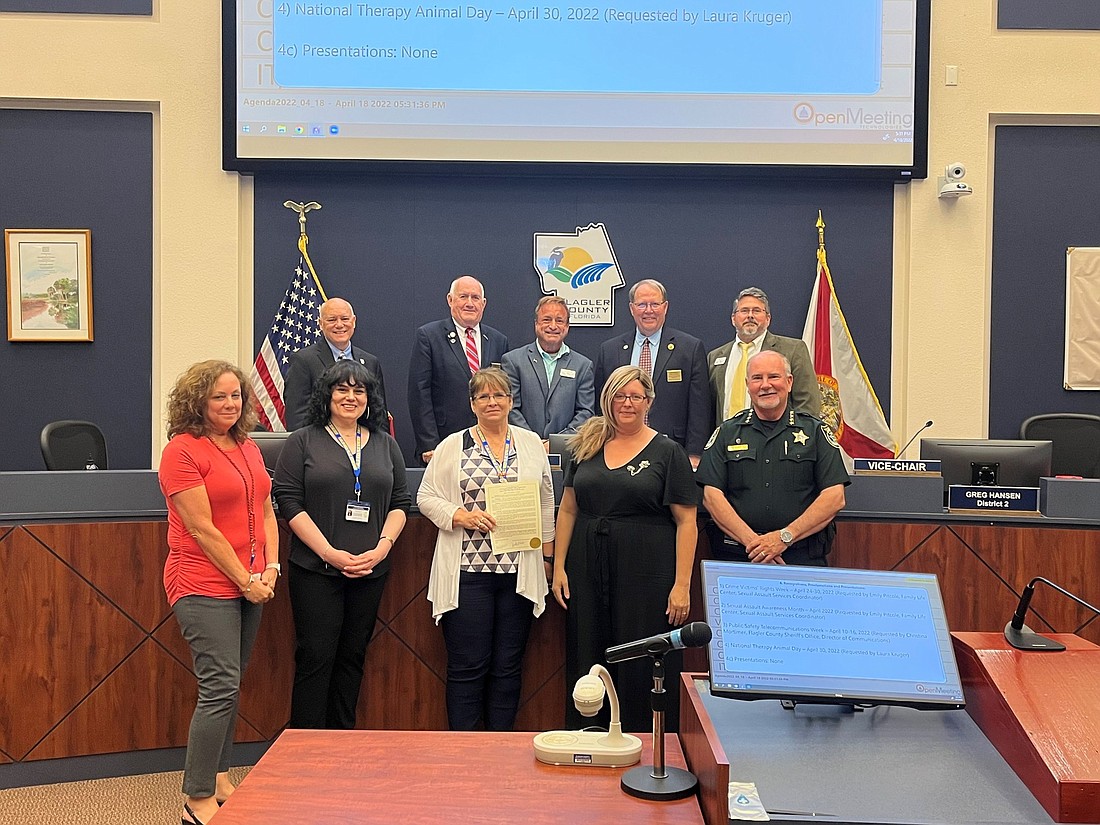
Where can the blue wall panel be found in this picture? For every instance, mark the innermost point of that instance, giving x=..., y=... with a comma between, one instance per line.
x=1045, y=184
x=392, y=245
x=83, y=170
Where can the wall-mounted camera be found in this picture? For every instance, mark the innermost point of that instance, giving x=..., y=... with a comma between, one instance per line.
x=951, y=182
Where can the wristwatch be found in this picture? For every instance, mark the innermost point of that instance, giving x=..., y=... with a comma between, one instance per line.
x=786, y=537
x=278, y=568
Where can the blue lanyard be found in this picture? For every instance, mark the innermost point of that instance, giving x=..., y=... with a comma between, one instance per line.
x=354, y=458
x=500, y=467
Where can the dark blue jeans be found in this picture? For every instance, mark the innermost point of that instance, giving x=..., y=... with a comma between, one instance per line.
x=486, y=636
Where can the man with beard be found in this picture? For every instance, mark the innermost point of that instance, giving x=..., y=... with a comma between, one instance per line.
x=726, y=365
x=772, y=476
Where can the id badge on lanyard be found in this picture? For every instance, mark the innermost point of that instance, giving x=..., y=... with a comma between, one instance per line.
x=358, y=511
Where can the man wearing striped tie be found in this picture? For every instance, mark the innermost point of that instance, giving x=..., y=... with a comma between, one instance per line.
x=445, y=355
x=677, y=362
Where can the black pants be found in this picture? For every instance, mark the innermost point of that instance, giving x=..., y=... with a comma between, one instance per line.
x=334, y=618
x=486, y=636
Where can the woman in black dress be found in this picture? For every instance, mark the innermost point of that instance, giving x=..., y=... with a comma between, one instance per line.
x=626, y=545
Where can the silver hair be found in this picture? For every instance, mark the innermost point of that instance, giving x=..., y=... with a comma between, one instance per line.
x=754, y=292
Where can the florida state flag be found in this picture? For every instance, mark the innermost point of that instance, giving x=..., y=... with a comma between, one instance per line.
x=848, y=402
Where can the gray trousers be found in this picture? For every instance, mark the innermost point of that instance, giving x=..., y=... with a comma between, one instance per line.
x=221, y=633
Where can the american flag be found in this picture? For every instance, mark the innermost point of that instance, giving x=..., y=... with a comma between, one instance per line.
x=295, y=326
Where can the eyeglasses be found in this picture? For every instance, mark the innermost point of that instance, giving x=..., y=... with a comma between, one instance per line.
x=645, y=306
x=750, y=311
x=633, y=399
x=499, y=397
x=347, y=319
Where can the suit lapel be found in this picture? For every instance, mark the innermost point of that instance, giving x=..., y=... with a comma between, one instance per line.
x=534, y=357
x=664, y=353
x=486, y=358
x=458, y=344
x=622, y=352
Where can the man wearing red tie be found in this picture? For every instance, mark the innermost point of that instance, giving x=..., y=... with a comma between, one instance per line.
x=677, y=361
x=445, y=355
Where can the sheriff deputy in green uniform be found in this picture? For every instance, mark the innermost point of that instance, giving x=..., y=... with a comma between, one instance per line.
x=773, y=477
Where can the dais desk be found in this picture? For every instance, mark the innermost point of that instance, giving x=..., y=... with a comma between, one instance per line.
x=438, y=778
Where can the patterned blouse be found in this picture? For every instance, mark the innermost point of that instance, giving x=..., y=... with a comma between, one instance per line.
x=477, y=469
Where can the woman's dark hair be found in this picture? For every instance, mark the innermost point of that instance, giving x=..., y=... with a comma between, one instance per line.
x=353, y=374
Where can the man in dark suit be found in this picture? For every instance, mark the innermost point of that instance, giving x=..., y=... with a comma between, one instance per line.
x=309, y=363
x=444, y=357
x=552, y=385
x=751, y=318
x=677, y=362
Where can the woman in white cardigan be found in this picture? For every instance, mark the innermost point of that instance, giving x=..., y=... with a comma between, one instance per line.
x=485, y=601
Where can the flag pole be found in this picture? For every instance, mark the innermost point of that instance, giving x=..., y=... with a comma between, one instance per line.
x=303, y=239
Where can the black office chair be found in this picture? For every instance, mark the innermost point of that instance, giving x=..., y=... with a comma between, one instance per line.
x=73, y=445
x=1076, y=438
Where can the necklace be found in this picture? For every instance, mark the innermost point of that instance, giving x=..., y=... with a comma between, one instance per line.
x=501, y=467
x=249, y=503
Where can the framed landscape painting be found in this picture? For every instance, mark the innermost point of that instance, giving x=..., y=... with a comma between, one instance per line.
x=49, y=284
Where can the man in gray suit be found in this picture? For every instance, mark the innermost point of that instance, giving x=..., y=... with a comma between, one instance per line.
x=751, y=318
x=552, y=386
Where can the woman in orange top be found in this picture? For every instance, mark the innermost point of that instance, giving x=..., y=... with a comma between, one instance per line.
x=223, y=559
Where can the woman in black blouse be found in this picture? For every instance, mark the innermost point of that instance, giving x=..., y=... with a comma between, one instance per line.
x=340, y=484
x=626, y=535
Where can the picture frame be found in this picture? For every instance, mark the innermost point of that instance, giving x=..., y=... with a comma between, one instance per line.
x=49, y=284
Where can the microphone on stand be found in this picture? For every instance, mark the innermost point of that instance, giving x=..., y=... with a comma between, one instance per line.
x=658, y=781
x=1022, y=637
x=927, y=424
x=695, y=634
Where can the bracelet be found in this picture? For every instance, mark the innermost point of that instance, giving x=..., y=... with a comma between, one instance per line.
x=278, y=568
x=387, y=538
x=548, y=559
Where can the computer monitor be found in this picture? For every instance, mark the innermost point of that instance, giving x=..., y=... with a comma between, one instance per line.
x=988, y=462
x=822, y=635
x=559, y=446
x=271, y=446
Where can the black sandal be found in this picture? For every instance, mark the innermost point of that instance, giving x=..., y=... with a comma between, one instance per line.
x=194, y=820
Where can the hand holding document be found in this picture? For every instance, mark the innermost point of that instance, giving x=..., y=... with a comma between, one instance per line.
x=516, y=508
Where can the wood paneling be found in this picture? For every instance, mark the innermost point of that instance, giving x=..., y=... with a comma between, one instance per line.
x=129, y=573
x=59, y=638
x=1039, y=710
x=983, y=568
x=95, y=662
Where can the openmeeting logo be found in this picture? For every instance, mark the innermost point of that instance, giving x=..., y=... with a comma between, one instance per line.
x=580, y=267
x=803, y=112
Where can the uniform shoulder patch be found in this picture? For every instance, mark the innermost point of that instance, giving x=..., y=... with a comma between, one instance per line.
x=713, y=436
x=827, y=431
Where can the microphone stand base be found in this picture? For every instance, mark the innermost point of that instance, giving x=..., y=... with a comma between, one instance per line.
x=640, y=782
x=1027, y=639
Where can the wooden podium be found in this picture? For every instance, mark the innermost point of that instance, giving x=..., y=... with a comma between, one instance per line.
x=1041, y=710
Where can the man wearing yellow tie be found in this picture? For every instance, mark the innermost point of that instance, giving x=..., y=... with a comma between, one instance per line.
x=726, y=365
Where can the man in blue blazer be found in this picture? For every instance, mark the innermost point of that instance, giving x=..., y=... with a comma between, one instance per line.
x=443, y=357
x=309, y=363
x=682, y=408
x=553, y=390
